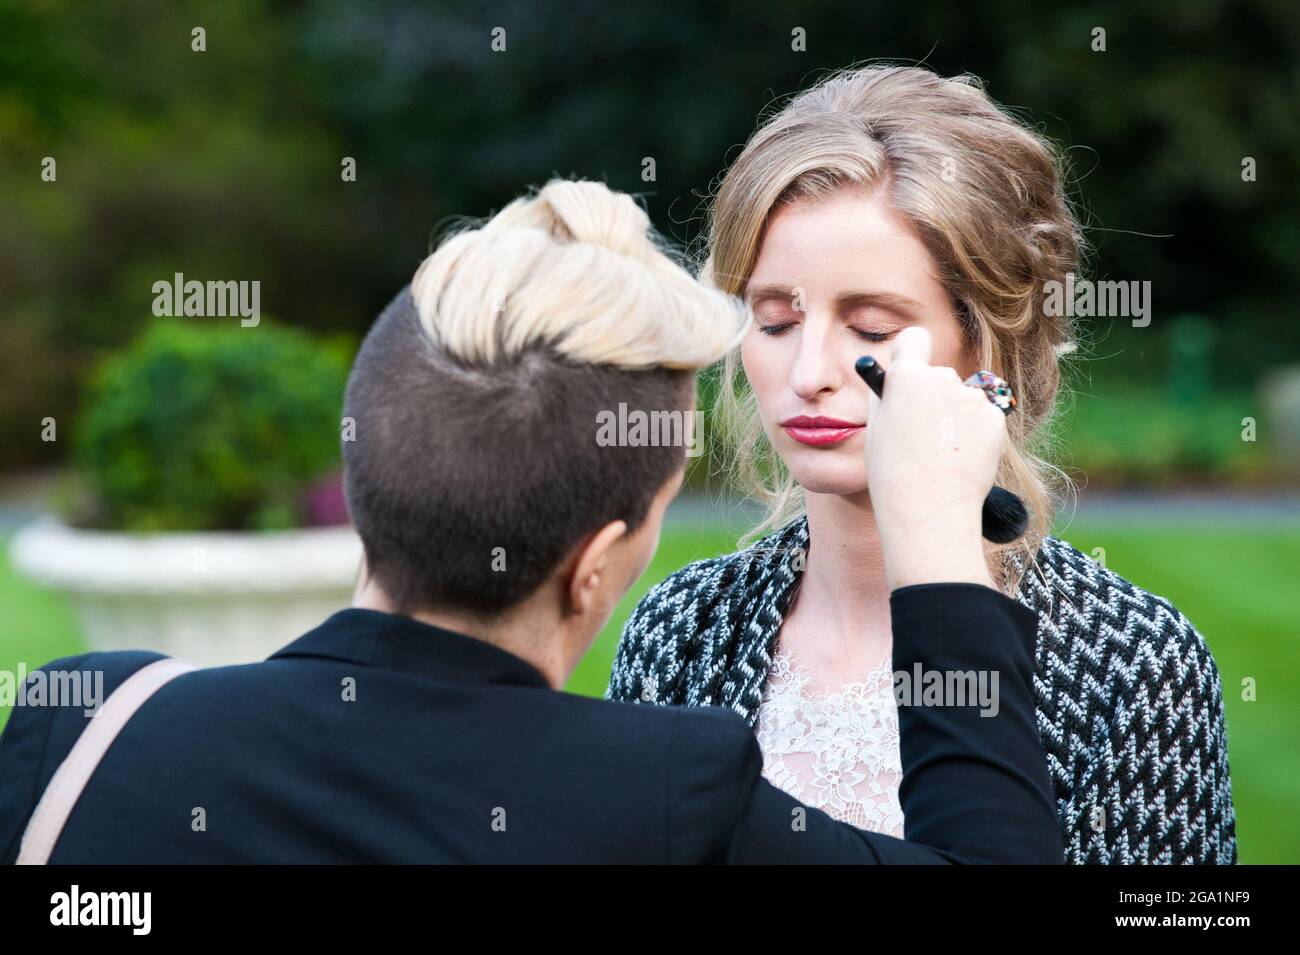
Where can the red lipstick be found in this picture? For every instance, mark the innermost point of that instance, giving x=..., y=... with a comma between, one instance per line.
x=821, y=430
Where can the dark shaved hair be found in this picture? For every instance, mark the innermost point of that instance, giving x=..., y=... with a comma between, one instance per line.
x=450, y=462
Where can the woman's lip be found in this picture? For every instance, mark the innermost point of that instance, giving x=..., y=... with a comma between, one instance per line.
x=818, y=421
x=821, y=436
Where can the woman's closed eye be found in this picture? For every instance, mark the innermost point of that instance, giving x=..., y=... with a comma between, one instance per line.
x=778, y=328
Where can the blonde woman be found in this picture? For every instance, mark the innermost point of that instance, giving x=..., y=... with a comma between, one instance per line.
x=886, y=199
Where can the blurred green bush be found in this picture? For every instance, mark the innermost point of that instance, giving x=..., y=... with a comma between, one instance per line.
x=1130, y=434
x=210, y=428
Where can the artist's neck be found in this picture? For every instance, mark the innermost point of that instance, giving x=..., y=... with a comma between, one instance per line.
x=523, y=632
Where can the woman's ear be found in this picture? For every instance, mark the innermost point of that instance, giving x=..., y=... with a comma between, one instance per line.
x=970, y=360
x=591, y=565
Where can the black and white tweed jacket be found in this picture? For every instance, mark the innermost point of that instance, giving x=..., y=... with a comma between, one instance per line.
x=1129, y=699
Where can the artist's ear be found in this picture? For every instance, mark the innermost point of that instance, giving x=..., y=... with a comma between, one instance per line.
x=591, y=566
x=363, y=580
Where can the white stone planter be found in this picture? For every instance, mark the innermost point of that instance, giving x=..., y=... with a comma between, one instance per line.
x=212, y=598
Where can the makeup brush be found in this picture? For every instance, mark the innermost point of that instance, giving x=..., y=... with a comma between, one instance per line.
x=1004, y=517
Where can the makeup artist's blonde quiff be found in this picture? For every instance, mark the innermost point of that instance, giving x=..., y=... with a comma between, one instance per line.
x=985, y=195
x=576, y=266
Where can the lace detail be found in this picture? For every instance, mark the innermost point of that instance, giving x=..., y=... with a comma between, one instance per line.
x=834, y=749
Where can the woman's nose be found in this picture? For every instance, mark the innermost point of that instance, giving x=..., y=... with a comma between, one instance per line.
x=817, y=363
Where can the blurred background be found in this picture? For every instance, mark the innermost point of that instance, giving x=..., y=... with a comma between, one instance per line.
x=231, y=162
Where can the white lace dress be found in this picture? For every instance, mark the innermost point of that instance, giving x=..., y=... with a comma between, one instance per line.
x=835, y=749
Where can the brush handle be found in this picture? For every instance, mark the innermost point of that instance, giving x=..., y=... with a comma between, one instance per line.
x=1005, y=516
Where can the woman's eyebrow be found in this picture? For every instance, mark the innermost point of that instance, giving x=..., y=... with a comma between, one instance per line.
x=889, y=300
x=757, y=293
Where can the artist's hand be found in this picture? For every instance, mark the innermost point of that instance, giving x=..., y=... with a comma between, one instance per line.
x=932, y=446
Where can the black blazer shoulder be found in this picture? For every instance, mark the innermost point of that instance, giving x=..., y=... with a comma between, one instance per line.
x=37, y=738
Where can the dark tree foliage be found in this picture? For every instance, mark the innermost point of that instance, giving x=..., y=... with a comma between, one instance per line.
x=225, y=164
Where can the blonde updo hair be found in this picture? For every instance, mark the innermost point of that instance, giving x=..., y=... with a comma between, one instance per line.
x=478, y=393
x=985, y=195
x=577, y=266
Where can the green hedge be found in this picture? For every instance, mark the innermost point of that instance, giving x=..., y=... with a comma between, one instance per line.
x=1130, y=434
x=205, y=428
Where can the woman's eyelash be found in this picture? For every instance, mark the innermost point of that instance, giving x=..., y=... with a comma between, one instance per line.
x=779, y=327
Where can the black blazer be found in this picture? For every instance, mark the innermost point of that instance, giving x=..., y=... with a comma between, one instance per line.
x=376, y=738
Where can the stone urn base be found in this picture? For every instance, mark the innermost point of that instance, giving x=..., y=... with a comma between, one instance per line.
x=212, y=598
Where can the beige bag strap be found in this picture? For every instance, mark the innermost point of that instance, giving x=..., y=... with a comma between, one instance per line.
x=70, y=779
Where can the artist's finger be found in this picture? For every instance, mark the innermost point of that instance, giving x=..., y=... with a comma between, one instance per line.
x=911, y=348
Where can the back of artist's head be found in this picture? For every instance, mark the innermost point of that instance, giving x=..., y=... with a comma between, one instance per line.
x=476, y=475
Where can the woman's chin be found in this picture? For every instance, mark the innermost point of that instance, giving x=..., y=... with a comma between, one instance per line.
x=830, y=477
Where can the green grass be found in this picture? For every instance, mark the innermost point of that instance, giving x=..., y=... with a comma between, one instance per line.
x=35, y=626
x=1236, y=585
x=679, y=545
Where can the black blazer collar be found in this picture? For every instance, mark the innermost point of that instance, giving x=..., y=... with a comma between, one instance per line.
x=392, y=642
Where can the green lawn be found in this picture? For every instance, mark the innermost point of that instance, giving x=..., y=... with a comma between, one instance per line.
x=35, y=626
x=1236, y=586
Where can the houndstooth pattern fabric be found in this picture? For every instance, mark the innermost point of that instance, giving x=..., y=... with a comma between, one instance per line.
x=1129, y=699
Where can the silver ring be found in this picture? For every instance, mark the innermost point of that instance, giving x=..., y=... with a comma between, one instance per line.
x=995, y=389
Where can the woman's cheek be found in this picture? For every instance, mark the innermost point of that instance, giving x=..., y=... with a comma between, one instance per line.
x=761, y=364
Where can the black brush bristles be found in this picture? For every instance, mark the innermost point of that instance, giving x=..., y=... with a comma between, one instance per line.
x=1005, y=516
